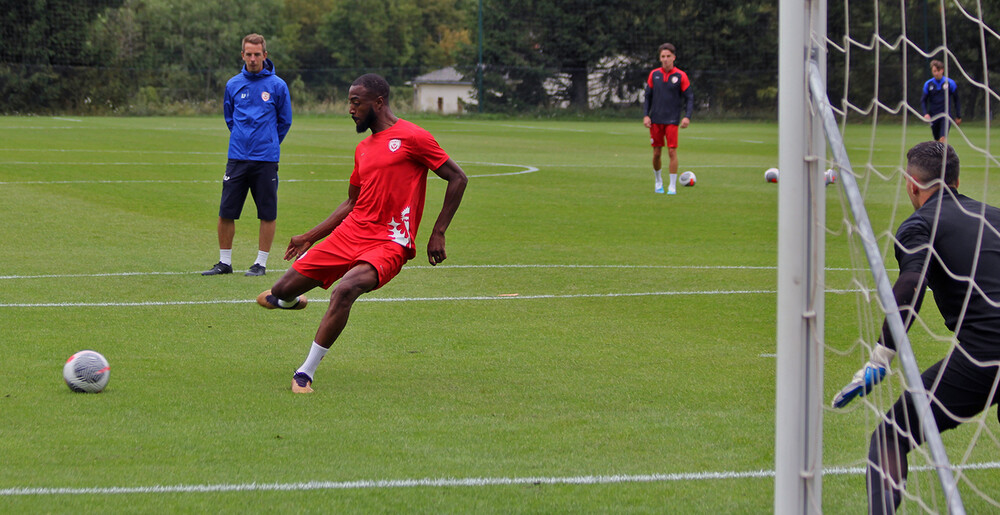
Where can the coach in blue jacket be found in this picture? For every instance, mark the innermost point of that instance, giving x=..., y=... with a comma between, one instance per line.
x=258, y=111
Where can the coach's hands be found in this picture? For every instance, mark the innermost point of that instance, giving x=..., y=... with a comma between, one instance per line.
x=865, y=379
x=298, y=246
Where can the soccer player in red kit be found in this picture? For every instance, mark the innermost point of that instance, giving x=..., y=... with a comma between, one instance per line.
x=369, y=237
x=668, y=94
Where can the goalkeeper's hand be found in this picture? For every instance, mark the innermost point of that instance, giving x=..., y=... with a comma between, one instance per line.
x=865, y=379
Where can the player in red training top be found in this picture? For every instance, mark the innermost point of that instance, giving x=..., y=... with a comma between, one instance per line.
x=371, y=234
x=668, y=92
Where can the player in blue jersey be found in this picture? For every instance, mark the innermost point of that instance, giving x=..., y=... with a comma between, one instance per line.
x=668, y=105
x=939, y=93
x=258, y=112
x=951, y=245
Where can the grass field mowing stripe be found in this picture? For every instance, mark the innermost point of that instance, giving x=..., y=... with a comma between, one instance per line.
x=441, y=482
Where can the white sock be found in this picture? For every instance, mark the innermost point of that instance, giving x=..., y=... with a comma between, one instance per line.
x=226, y=256
x=673, y=180
x=316, y=353
x=261, y=258
x=659, y=178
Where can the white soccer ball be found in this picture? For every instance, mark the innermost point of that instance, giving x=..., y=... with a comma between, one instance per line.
x=688, y=179
x=771, y=175
x=86, y=371
x=831, y=176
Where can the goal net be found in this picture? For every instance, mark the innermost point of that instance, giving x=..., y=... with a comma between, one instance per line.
x=852, y=80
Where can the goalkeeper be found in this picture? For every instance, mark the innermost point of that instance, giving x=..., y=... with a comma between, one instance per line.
x=948, y=240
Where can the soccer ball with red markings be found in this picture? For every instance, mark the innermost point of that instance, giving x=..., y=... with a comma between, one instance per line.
x=86, y=371
x=771, y=175
x=688, y=179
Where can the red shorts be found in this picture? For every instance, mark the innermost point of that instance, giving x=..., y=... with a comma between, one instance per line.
x=328, y=260
x=658, y=132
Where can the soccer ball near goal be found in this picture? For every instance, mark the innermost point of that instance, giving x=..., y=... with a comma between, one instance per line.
x=86, y=371
x=831, y=176
x=688, y=179
x=771, y=175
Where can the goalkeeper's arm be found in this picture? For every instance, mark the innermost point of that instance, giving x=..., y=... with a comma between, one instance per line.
x=909, y=293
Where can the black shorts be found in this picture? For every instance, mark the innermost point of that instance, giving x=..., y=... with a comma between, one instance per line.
x=939, y=127
x=964, y=390
x=260, y=178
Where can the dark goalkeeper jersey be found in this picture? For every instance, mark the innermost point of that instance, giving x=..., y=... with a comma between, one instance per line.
x=668, y=97
x=950, y=225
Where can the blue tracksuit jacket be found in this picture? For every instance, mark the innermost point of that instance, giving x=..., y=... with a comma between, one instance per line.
x=258, y=111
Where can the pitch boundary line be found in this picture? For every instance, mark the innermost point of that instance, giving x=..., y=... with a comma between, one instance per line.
x=439, y=482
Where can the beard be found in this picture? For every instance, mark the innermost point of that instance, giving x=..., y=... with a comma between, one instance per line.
x=365, y=122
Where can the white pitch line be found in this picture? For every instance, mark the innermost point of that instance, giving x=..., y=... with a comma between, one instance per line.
x=438, y=482
x=525, y=169
x=387, y=483
x=503, y=297
x=445, y=268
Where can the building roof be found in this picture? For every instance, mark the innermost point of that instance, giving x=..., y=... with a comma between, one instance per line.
x=448, y=75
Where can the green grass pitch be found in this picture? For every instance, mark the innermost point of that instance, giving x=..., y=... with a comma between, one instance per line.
x=588, y=346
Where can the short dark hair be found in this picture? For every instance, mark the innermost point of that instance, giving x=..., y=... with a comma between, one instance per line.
x=254, y=39
x=937, y=64
x=667, y=46
x=374, y=83
x=933, y=160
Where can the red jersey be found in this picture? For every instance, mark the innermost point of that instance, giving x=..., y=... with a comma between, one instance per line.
x=391, y=167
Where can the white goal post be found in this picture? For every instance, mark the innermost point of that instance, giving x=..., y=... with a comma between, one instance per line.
x=806, y=123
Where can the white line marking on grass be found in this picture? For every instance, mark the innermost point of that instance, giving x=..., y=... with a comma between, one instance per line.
x=66, y=119
x=140, y=163
x=387, y=483
x=385, y=299
x=445, y=268
x=438, y=482
x=525, y=169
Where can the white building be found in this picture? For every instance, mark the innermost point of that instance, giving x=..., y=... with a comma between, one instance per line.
x=442, y=91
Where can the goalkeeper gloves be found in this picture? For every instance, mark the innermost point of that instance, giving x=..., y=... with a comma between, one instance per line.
x=865, y=379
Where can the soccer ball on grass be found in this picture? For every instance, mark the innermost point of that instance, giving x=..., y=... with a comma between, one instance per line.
x=86, y=371
x=688, y=179
x=771, y=175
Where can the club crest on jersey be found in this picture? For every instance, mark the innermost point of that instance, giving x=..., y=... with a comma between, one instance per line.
x=265, y=96
x=674, y=79
x=394, y=144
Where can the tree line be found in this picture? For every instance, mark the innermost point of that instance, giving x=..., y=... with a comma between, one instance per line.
x=152, y=56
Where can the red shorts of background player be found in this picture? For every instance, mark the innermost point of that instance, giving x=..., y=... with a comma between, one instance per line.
x=658, y=132
x=330, y=259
